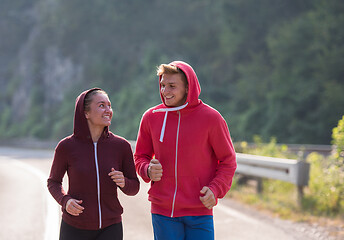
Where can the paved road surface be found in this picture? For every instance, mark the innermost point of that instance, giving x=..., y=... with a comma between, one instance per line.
x=27, y=211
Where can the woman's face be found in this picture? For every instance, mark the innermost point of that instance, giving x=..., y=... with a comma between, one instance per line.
x=100, y=111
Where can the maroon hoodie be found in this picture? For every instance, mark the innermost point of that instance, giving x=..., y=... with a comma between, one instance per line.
x=87, y=165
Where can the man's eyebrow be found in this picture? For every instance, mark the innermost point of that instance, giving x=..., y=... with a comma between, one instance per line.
x=168, y=81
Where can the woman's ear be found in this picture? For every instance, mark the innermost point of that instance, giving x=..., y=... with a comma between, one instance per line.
x=86, y=115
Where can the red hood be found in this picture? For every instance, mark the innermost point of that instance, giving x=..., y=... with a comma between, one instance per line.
x=194, y=87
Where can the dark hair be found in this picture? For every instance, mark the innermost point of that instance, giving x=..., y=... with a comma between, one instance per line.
x=89, y=97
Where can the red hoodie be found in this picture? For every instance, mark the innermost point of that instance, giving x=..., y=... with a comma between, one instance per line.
x=193, y=145
x=87, y=165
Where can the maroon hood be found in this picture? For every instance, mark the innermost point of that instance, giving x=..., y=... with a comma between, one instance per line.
x=81, y=129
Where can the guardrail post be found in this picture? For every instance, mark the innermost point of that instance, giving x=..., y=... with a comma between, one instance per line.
x=259, y=185
x=302, y=177
x=299, y=195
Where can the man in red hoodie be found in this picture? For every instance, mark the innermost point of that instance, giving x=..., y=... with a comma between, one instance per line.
x=184, y=149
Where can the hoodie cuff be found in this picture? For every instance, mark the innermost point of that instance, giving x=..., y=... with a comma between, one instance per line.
x=213, y=189
x=64, y=201
x=144, y=174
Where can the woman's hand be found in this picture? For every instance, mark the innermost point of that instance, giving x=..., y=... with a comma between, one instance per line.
x=117, y=177
x=73, y=207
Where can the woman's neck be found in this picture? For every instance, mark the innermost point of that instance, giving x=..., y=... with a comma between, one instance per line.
x=96, y=133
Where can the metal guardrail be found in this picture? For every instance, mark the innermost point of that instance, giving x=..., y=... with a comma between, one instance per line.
x=288, y=170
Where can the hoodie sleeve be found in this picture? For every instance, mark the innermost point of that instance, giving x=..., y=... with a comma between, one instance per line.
x=144, y=149
x=222, y=145
x=57, y=172
x=132, y=184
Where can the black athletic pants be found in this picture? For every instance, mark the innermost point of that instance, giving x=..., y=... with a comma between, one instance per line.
x=112, y=232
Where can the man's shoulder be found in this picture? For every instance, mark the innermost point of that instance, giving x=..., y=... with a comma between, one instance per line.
x=149, y=111
x=210, y=112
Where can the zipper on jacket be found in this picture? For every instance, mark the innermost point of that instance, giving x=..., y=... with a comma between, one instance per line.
x=98, y=184
x=176, y=167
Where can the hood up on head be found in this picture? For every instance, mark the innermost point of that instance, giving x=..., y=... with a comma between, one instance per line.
x=81, y=129
x=192, y=95
x=194, y=86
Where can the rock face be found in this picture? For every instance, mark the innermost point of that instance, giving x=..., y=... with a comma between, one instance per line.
x=37, y=75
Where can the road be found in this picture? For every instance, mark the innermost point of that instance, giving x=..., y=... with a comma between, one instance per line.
x=27, y=211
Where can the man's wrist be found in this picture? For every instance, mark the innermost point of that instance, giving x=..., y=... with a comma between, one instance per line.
x=148, y=170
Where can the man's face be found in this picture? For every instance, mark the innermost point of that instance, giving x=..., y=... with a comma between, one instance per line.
x=173, y=89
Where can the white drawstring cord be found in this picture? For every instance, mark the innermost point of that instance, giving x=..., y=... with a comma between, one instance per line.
x=166, y=110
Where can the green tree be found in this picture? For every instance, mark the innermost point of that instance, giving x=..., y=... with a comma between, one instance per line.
x=307, y=74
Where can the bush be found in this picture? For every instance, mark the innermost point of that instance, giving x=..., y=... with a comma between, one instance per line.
x=338, y=141
x=326, y=187
x=270, y=149
x=323, y=197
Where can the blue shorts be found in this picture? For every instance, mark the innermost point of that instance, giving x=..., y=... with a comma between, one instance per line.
x=183, y=228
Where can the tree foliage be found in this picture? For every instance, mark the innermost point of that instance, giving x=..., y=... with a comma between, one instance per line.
x=273, y=68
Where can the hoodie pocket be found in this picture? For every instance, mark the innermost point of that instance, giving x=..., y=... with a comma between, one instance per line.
x=111, y=207
x=161, y=192
x=188, y=192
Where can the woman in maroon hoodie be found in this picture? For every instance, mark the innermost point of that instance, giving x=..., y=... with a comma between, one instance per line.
x=97, y=162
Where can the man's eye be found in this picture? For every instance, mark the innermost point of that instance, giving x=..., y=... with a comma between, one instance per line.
x=101, y=105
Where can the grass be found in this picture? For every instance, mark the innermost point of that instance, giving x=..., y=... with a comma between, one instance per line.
x=279, y=199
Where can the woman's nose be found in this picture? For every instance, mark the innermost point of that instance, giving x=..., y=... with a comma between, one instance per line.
x=108, y=108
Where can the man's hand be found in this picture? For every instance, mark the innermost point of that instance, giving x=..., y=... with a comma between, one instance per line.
x=155, y=170
x=207, y=198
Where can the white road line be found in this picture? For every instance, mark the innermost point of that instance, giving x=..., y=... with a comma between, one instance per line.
x=52, y=217
x=236, y=214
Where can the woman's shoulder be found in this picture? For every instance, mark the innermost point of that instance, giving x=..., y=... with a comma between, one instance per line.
x=66, y=143
x=118, y=139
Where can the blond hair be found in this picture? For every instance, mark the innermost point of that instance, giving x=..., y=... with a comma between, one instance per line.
x=170, y=69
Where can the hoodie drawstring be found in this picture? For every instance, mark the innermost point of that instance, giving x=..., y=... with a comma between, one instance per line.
x=166, y=110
